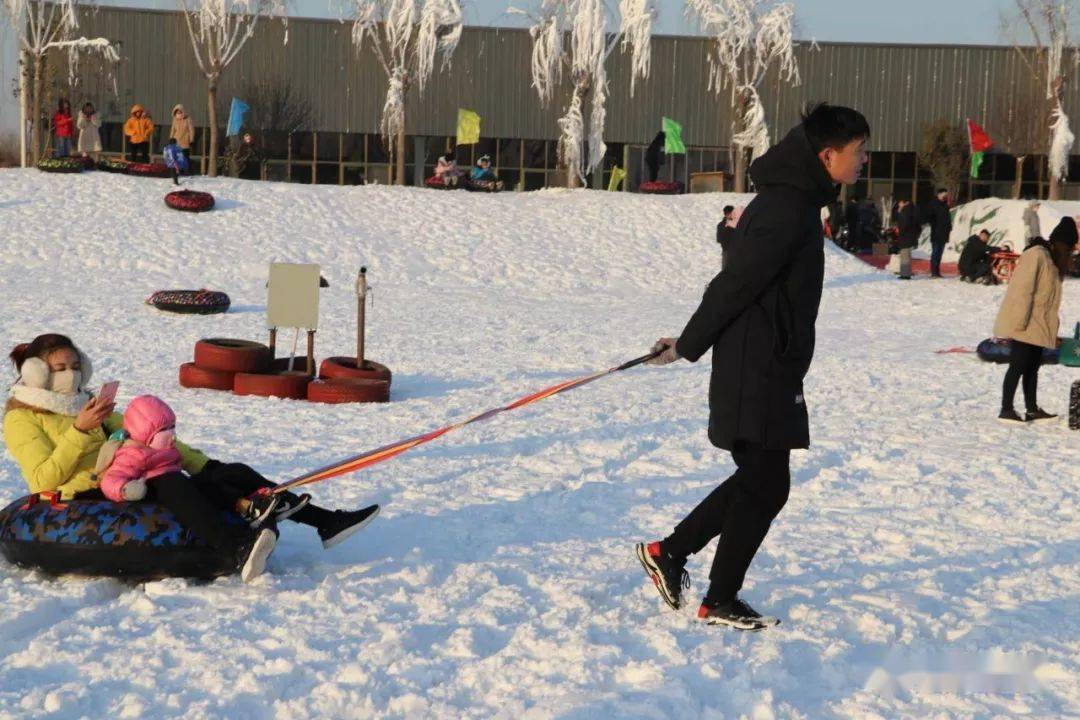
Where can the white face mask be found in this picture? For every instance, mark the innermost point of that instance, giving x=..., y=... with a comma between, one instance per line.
x=65, y=382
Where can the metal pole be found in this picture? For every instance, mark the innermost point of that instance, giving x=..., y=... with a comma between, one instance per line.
x=311, y=353
x=361, y=296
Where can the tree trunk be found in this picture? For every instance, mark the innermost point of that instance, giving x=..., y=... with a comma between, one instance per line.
x=24, y=104
x=35, y=110
x=1019, y=177
x=211, y=113
x=740, y=169
x=1055, y=188
x=399, y=160
x=572, y=179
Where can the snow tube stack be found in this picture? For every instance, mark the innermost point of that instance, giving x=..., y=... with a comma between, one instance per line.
x=997, y=350
x=190, y=302
x=137, y=540
x=60, y=165
x=190, y=200
x=657, y=187
x=113, y=166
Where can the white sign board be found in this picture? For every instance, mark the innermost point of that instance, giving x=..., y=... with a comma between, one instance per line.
x=293, y=296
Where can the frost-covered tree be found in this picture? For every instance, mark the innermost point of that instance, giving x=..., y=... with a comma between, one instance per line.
x=748, y=37
x=406, y=36
x=574, y=34
x=218, y=30
x=40, y=28
x=1055, y=54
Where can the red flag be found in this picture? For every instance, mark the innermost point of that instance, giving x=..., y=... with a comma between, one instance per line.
x=978, y=138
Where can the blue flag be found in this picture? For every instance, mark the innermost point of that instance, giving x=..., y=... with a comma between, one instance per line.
x=236, y=117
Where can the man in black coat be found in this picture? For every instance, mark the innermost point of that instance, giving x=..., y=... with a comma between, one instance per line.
x=975, y=261
x=940, y=220
x=909, y=228
x=758, y=318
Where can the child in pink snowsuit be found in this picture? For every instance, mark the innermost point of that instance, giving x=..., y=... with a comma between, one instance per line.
x=149, y=450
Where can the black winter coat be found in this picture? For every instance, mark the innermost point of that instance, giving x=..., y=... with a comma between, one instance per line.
x=907, y=222
x=940, y=220
x=758, y=314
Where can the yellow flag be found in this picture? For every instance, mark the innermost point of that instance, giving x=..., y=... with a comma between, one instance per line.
x=468, y=127
x=617, y=177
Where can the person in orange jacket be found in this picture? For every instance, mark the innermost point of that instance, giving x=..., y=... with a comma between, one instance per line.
x=139, y=128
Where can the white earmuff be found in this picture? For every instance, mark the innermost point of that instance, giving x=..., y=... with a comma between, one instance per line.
x=35, y=372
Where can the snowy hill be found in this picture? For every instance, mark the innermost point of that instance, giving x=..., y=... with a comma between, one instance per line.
x=500, y=579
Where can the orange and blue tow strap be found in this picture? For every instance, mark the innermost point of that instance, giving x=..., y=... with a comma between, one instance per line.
x=373, y=457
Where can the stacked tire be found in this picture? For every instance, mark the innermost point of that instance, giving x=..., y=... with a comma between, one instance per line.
x=249, y=368
x=657, y=187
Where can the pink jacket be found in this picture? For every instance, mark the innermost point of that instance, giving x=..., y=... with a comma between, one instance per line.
x=146, y=416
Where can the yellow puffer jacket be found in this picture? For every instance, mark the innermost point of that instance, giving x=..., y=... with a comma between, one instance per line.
x=138, y=129
x=53, y=455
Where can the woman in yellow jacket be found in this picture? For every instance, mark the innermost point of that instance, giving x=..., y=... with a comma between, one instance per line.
x=1029, y=317
x=139, y=129
x=54, y=429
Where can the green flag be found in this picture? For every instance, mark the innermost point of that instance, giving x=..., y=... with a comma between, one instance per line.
x=617, y=177
x=673, y=144
x=976, y=163
x=468, y=127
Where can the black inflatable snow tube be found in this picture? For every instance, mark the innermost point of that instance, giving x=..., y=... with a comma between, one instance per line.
x=656, y=187
x=138, y=540
x=190, y=302
x=997, y=350
x=60, y=165
x=190, y=200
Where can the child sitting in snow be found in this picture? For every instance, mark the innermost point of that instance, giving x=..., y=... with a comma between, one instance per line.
x=175, y=160
x=447, y=169
x=482, y=176
x=148, y=449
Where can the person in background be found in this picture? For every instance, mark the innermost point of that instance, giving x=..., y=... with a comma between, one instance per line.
x=909, y=229
x=654, y=155
x=183, y=131
x=447, y=170
x=63, y=129
x=175, y=160
x=851, y=220
x=139, y=128
x=89, y=135
x=975, y=262
x=1031, y=221
x=1029, y=317
x=483, y=176
x=940, y=220
x=725, y=232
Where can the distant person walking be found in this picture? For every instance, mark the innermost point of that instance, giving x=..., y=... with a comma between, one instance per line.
x=1029, y=317
x=654, y=155
x=909, y=229
x=940, y=220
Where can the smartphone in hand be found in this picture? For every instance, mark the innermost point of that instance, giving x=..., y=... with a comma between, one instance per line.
x=108, y=392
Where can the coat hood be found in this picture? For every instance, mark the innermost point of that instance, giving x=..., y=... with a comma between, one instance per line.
x=137, y=108
x=179, y=107
x=793, y=162
x=147, y=415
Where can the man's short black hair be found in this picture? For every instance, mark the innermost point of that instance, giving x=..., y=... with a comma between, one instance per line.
x=728, y=209
x=940, y=191
x=833, y=126
x=984, y=231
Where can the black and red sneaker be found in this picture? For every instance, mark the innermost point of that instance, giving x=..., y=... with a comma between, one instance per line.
x=666, y=572
x=735, y=614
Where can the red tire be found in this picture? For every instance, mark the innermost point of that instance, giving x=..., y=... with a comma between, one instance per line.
x=189, y=200
x=232, y=355
x=661, y=188
x=193, y=376
x=160, y=170
x=281, y=365
x=292, y=386
x=348, y=390
x=345, y=367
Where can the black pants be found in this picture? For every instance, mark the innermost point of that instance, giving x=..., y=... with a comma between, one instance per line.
x=1024, y=362
x=936, y=251
x=740, y=511
x=140, y=152
x=226, y=482
x=199, y=512
x=187, y=157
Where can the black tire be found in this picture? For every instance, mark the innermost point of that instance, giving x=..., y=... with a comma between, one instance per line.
x=190, y=302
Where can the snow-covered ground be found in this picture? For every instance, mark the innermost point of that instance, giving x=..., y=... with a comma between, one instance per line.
x=500, y=581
